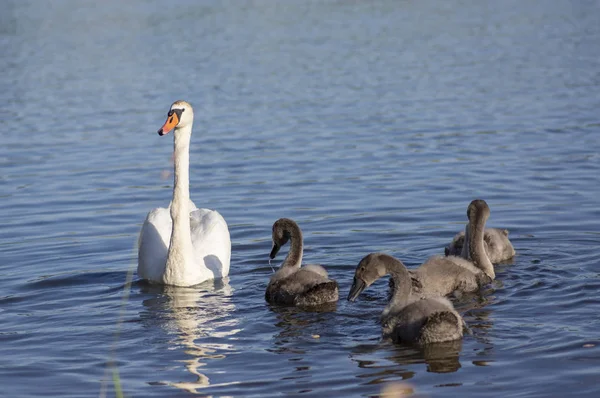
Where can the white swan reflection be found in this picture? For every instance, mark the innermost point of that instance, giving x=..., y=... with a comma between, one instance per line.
x=192, y=314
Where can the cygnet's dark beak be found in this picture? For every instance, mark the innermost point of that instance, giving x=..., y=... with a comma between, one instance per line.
x=274, y=250
x=357, y=287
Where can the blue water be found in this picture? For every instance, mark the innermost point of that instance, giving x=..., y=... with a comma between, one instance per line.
x=372, y=124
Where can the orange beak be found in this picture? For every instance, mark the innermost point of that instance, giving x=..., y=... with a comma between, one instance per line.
x=172, y=121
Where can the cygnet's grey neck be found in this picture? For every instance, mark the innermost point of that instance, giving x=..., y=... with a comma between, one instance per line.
x=294, y=256
x=402, y=286
x=474, y=240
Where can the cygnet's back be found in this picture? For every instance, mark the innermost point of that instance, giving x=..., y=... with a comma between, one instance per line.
x=292, y=284
x=497, y=245
x=441, y=276
x=303, y=287
x=407, y=319
x=430, y=320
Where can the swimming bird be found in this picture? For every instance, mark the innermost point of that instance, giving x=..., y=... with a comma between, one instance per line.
x=441, y=276
x=293, y=284
x=182, y=245
x=407, y=318
x=497, y=245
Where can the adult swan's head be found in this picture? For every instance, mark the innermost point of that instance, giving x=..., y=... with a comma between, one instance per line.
x=180, y=116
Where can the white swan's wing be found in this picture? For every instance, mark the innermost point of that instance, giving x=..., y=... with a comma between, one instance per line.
x=211, y=240
x=153, y=244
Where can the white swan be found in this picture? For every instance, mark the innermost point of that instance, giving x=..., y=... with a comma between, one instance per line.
x=183, y=245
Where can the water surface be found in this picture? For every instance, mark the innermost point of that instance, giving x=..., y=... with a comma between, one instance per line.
x=372, y=124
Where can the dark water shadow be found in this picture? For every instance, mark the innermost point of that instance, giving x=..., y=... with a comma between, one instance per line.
x=442, y=357
x=87, y=278
x=439, y=358
x=298, y=325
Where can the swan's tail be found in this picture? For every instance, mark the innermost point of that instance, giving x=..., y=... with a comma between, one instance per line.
x=441, y=326
x=326, y=292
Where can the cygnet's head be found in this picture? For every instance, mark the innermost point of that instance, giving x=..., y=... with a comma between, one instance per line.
x=281, y=234
x=180, y=115
x=478, y=210
x=369, y=269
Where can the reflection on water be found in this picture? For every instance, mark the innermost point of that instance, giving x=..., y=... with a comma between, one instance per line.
x=374, y=134
x=439, y=358
x=295, y=323
x=378, y=371
x=442, y=357
x=189, y=315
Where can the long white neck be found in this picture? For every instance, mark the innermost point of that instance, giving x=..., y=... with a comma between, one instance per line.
x=180, y=247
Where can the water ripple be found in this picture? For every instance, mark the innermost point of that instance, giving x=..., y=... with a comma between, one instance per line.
x=374, y=135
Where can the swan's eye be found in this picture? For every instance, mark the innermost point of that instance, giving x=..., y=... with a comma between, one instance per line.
x=177, y=112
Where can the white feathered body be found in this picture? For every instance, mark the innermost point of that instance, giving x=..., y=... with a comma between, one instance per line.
x=211, y=248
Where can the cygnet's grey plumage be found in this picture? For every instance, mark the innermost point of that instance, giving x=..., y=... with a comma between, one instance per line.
x=441, y=276
x=497, y=245
x=474, y=247
x=293, y=284
x=407, y=318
